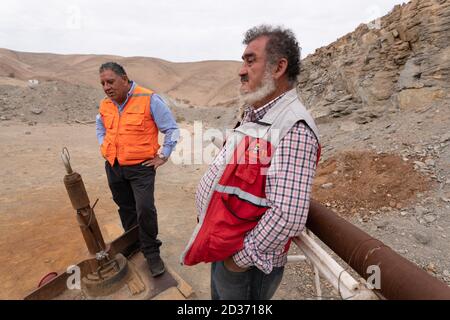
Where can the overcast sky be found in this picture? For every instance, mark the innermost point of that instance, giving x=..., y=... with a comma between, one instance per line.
x=189, y=30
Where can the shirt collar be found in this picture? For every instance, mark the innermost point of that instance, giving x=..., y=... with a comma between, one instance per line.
x=129, y=94
x=133, y=86
x=251, y=114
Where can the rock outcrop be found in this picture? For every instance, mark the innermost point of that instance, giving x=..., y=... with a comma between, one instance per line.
x=401, y=63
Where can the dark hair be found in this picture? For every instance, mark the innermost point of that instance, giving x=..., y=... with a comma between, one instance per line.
x=282, y=44
x=113, y=66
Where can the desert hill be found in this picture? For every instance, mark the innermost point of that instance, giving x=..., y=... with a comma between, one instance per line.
x=197, y=83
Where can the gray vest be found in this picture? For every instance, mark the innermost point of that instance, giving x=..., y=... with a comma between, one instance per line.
x=273, y=127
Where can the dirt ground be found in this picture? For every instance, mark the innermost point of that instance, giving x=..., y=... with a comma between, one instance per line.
x=409, y=209
x=38, y=228
x=367, y=180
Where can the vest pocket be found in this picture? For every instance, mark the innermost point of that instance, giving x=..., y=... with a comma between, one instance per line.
x=108, y=121
x=242, y=210
x=248, y=172
x=136, y=109
x=138, y=152
x=255, y=158
x=226, y=225
x=107, y=148
x=133, y=123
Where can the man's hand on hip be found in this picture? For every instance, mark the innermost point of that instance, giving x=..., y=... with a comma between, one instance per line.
x=156, y=162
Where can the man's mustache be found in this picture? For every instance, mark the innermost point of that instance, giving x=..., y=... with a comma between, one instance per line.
x=244, y=78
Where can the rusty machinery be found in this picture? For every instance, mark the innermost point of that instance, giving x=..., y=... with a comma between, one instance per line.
x=109, y=271
x=113, y=271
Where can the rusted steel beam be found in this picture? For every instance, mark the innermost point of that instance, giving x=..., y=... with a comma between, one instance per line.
x=400, y=279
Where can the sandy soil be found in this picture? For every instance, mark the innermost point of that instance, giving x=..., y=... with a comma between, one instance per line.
x=39, y=233
x=38, y=228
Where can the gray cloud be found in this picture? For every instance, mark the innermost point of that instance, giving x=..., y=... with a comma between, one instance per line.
x=174, y=30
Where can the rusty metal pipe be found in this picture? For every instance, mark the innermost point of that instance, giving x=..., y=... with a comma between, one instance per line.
x=80, y=202
x=400, y=278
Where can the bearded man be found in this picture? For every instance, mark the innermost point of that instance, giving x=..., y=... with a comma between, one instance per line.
x=254, y=198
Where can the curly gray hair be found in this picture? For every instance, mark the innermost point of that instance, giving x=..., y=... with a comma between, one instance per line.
x=282, y=44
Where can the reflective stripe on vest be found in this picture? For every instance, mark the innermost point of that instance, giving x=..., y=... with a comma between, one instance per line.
x=257, y=201
x=142, y=95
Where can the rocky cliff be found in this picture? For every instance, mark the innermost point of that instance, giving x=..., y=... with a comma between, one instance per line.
x=401, y=61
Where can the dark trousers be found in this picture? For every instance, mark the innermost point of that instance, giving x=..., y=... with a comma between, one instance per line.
x=132, y=189
x=250, y=285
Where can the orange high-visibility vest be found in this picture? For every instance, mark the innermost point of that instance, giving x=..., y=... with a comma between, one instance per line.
x=131, y=137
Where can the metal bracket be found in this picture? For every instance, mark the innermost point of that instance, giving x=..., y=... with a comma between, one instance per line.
x=323, y=264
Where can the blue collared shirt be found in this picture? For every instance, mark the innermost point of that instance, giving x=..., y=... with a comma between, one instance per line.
x=161, y=115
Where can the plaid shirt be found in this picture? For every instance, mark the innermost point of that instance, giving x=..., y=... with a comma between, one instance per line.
x=288, y=190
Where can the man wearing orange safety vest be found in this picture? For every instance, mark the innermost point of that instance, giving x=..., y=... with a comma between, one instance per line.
x=254, y=198
x=128, y=123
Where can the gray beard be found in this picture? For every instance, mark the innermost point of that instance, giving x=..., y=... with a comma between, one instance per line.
x=267, y=88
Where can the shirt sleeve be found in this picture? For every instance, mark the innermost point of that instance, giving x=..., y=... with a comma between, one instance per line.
x=166, y=124
x=100, y=129
x=288, y=191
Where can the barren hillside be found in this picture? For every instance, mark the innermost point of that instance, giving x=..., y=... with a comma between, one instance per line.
x=205, y=83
